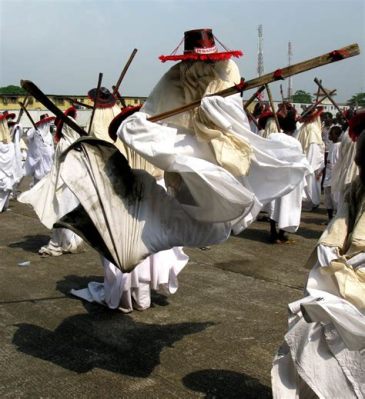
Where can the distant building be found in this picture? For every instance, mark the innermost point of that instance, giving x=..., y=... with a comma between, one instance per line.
x=10, y=102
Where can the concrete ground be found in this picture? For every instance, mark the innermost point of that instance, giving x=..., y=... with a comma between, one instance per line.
x=215, y=338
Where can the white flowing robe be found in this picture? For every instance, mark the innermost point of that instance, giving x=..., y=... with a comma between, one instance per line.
x=10, y=172
x=286, y=210
x=310, y=136
x=324, y=348
x=276, y=167
x=40, y=152
x=156, y=271
x=51, y=197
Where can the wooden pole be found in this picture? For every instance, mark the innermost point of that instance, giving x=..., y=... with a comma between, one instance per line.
x=329, y=97
x=327, y=58
x=95, y=101
x=119, y=97
x=282, y=93
x=309, y=109
x=28, y=114
x=318, y=92
x=72, y=101
x=124, y=71
x=254, y=97
x=252, y=118
x=268, y=91
x=33, y=90
x=26, y=100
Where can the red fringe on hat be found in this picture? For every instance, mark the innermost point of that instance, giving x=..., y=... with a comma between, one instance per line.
x=202, y=57
x=45, y=120
x=312, y=115
x=7, y=115
x=72, y=112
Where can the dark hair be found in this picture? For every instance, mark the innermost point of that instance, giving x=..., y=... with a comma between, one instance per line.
x=259, y=107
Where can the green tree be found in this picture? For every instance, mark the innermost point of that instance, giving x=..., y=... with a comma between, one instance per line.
x=12, y=90
x=357, y=99
x=301, y=96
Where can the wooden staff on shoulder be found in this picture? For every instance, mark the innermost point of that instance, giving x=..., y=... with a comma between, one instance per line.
x=72, y=101
x=124, y=71
x=282, y=93
x=255, y=96
x=327, y=58
x=272, y=105
x=119, y=97
x=327, y=93
x=28, y=114
x=33, y=90
x=311, y=108
x=95, y=101
x=26, y=100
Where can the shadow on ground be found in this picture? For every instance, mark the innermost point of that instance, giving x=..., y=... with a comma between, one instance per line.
x=31, y=243
x=225, y=384
x=106, y=339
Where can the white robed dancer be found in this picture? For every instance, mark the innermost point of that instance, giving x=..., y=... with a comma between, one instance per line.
x=310, y=137
x=50, y=194
x=323, y=354
x=208, y=152
x=284, y=212
x=40, y=149
x=158, y=272
x=10, y=167
x=345, y=169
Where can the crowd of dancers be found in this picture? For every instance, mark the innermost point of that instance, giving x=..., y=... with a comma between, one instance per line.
x=138, y=191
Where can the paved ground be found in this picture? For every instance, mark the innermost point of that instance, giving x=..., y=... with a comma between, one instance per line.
x=215, y=338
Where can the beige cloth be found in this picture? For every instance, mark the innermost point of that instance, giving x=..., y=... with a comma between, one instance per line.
x=310, y=133
x=189, y=81
x=99, y=129
x=345, y=170
x=4, y=132
x=270, y=127
x=347, y=234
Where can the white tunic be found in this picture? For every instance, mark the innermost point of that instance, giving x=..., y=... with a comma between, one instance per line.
x=40, y=152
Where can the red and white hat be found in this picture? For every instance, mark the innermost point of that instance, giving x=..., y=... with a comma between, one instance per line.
x=45, y=119
x=312, y=115
x=199, y=45
x=7, y=115
x=104, y=98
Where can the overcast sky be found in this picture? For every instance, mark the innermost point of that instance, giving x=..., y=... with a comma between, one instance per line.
x=62, y=45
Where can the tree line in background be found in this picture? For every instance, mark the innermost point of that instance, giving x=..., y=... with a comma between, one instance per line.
x=300, y=96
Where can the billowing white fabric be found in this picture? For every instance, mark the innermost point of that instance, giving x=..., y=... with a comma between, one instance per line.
x=101, y=122
x=270, y=127
x=325, y=344
x=310, y=137
x=17, y=133
x=40, y=151
x=9, y=173
x=276, y=167
x=63, y=241
x=345, y=169
x=131, y=230
x=312, y=188
x=310, y=133
x=128, y=291
x=286, y=210
x=50, y=198
x=332, y=159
